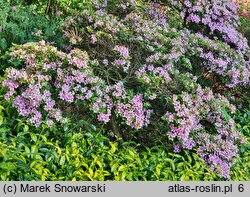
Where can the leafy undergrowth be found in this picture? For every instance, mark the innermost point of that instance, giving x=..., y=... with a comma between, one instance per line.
x=70, y=153
x=241, y=170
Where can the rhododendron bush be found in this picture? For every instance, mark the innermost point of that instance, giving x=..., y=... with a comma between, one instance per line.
x=216, y=19
x=134, y=70
x=69, y=78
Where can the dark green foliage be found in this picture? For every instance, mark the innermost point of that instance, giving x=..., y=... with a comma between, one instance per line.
x=21, y=24
x=241, y=170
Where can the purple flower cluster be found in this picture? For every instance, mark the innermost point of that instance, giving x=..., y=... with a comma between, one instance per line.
x=200, y=120
x=133, y=112
x=220, y=17
x=151, y=74
x=157, y=14
x=131, y=109
x=124, y=61
x=69, y=79
x=213, y=56
x=216, y=57
x=122, y=50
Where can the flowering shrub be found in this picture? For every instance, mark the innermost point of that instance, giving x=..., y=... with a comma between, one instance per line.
x=228, y=66
x=215, y=19
x=134, y=68
x=200, y=120
x=51, y=77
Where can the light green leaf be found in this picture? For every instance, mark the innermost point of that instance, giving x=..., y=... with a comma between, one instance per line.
x=26, y=128
x=1, y=120
x=33, y=136
x=114, y=167
x=122, y=168
x=27, y=150
x=158, y=169
x=62, y=160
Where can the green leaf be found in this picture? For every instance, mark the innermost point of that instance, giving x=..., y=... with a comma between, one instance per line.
x=171, y=163
x=122, y=168
x=113, y=147
x=124, y=174
x=183, y=177
x=33, y=164
x=1, y=108
x=38, y=157
x=26, y=128
x=114, y=167
x=3, y=43
x=62, y=160
x=27, y=150
x=1, y=120
x=33, y=136
x=131, y=153
x=34, y=149
x=158, y=169
x=43, y=137
x=74, y=145
x=93, y=127
x=226, y=115
x=99, y=163
x=180, y=165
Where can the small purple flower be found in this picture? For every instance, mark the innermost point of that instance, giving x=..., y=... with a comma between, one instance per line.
x=103, y=117
x=120, y=62
x=49, y=122
x=58, y=13
x=68, y=48
x=93, y=39
x=123, y=51
x=177, y=148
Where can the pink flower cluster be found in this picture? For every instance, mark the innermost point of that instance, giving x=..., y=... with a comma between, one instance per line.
x=220, y=17
x=69, y=79
x=200, y=120
x=133, y=112
x=124, y=60
x=216, y=57
x=151, y=74
x=122, y=50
